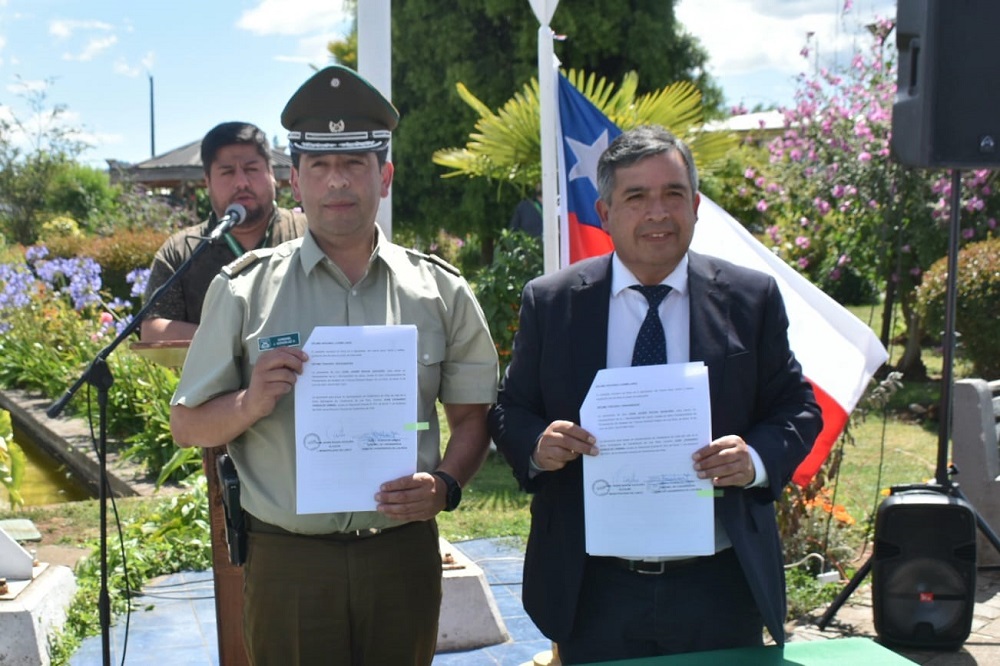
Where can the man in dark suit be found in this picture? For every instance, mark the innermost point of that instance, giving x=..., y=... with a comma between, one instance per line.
x=586, y=317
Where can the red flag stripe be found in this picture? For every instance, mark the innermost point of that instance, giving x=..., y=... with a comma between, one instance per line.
x=834, y=420
x=586, y=240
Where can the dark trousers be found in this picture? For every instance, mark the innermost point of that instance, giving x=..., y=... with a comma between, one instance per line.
x=691, y=607
x=343, y=600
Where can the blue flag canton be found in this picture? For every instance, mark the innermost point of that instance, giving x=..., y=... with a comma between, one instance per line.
x=586, y=133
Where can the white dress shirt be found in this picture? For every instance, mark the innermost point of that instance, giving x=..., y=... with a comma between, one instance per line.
x=626, y=313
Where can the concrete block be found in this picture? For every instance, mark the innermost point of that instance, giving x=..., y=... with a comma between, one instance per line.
x=469, y=615
x=31, y=612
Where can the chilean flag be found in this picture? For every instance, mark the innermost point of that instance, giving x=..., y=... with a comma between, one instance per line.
x=838, y=352
x=584, y=134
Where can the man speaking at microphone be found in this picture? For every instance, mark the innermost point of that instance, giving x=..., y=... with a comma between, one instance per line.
x=238, y=170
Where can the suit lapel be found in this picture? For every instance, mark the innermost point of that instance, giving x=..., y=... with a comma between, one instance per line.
x=588, y=322
x=709, y=297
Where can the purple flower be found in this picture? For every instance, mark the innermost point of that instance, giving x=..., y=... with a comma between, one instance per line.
x=138, y=278
x=761, y=206
x=16, y=285
x=822, y=205
x=749, y=174
x=865, y=156
x=79, y=278
x=802, y=242
x=968, y=234
x=36, y=253
x=803, y=263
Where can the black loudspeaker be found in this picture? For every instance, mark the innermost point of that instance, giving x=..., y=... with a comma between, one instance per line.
x=947, y=109
x=924, y=570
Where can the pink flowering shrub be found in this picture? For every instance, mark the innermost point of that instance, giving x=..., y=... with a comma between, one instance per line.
x=830, y=200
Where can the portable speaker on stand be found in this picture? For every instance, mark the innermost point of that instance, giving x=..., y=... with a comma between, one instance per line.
x=947, y=108
x=946, y=115
x=924, y=569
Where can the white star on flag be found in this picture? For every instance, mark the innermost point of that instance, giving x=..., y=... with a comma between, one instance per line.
x=587, y=156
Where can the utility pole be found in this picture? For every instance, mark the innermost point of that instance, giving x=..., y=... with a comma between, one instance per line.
x=152, y=121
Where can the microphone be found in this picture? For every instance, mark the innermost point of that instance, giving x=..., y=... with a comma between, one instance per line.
x=235, y=214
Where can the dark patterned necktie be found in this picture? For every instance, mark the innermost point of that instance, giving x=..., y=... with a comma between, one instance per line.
x=651, y=343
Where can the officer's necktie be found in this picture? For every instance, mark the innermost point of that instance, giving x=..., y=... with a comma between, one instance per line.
x=651, y=343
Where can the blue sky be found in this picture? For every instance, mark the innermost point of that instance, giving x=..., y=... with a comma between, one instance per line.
x=211, y=61
x=218, y=60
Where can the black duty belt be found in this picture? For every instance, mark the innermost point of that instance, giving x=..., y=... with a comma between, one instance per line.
x=258, y=526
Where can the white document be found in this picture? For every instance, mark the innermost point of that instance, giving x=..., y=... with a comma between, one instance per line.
x=641, y=495
x=355, y=416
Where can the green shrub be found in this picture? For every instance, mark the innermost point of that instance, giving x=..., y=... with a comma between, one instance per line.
x=117, y=255
x=977, y=303
x=517, y=258
x=167, y=536
x=59, y=226
x=54, y=324
x=12, y=462
x=81, y=192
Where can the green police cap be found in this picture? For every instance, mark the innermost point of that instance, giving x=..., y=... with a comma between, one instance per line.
x=337, y=111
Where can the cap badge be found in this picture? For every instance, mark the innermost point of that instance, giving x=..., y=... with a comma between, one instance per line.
x=334, y=82
x=337, y=127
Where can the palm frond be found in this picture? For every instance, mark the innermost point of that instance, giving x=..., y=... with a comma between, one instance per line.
x=505, y=145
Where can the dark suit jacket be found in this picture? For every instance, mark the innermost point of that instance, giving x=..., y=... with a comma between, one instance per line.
x=739, y=329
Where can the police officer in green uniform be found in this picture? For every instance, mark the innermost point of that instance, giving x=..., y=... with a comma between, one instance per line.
x=238, y=169
x=338, y=588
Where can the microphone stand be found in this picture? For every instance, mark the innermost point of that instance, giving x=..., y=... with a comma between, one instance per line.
x=99, y=376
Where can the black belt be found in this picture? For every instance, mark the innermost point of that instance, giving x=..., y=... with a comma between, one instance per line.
x=258, y=526
x=648, y=568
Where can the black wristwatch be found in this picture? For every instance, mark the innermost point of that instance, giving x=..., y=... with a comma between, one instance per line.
x=453, y=491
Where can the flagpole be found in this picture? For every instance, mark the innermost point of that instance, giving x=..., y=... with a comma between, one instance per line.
x=547, y=72
x=375, y=64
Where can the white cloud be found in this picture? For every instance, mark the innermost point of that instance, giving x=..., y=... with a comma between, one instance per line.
x=743, y=36
x=64, y=28
x=24, y=86
x=314, y=22
x=300, y=17
x=122, y=67
x=93, y=48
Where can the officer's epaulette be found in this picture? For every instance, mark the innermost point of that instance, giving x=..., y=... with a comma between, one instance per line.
x=434, y=259
x=237, y=266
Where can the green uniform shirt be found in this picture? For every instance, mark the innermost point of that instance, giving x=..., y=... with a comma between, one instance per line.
x=293, y=289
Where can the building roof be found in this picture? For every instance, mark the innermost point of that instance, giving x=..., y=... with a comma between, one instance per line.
x=182, y=166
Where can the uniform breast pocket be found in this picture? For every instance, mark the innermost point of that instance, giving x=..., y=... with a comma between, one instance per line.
x=430, y=356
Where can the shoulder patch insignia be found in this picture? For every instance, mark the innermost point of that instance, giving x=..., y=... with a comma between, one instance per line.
x=434, y=259
x=234, y=268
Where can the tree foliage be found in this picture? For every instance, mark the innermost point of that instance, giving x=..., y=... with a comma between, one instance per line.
x=33, y=152
x=834, y=204
x=506, y=147
x=490, y=46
